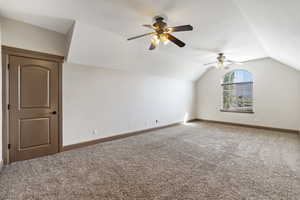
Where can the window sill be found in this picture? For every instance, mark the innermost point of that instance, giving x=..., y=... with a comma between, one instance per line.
x=232, y=111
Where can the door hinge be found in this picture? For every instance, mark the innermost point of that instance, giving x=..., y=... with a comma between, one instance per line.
x=8, y=66
x=8, y=106
x=8, y=146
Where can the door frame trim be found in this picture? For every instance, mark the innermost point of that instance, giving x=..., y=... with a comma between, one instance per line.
x=12, y=51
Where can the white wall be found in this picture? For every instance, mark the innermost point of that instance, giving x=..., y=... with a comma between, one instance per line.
x=110, y=101
x=276, y=96
x=115, y=102
x=26, y=36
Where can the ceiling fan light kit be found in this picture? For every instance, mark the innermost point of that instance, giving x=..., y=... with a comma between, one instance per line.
x=162, y=32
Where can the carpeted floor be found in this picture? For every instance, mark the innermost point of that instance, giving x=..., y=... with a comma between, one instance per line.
x=197, y=161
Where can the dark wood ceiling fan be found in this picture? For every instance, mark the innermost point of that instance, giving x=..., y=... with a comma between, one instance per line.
x=162, y=32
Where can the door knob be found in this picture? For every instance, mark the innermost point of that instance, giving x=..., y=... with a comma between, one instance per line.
x=53, y=113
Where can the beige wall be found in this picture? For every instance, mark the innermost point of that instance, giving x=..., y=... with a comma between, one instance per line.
x=276, y=96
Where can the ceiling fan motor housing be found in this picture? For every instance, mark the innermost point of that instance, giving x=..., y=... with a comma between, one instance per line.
x=159, y=24
x=221, y=58
x=160, y=17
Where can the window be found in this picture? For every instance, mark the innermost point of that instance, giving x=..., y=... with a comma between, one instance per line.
x=238, y=92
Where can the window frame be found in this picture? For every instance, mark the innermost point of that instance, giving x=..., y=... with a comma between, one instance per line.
x=237, y=83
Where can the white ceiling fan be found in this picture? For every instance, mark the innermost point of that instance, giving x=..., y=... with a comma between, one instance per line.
x=222, y=62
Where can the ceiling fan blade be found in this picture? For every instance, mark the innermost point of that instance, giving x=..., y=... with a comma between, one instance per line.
x=181, y=28
x=175, y=40
x=234, y=62
x=148, y=26
x=210, y=63
x=139, y=36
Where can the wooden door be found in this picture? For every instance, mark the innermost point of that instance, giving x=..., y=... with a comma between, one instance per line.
x=33, y=112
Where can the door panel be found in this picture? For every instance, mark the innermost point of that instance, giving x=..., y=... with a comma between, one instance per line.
x=34, y=96
x=34, y=132
x=34, y=87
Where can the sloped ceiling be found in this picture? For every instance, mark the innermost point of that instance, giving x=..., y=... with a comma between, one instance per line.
x=244, y=29
x=277, y=26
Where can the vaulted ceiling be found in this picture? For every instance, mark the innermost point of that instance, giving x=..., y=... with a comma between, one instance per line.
x=244, y=29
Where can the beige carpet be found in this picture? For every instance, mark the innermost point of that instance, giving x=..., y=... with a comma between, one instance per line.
x=198, y=161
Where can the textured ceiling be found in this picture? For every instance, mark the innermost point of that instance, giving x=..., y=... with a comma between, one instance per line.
x=245, y=29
